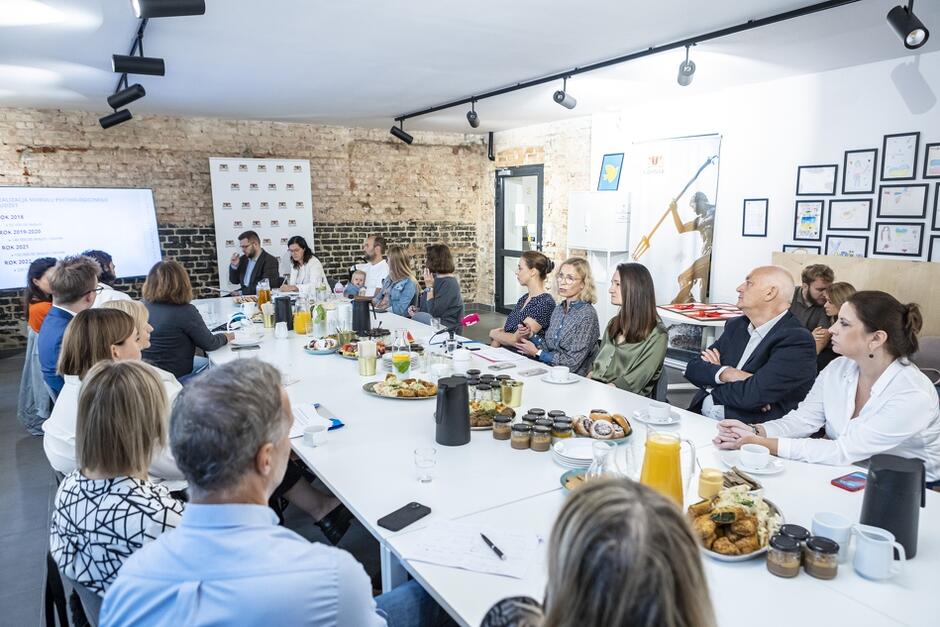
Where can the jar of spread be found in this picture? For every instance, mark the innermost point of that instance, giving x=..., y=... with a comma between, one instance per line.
x=561, y=430
x=541, y=438
x=529, y=419
x=521, y=433
x=487, y=378
x=473, y=373
x=798, y=533
x=821, y=557
x=502, y=427
x=710, y=482
x=555, y=414
x=783, y=556
x=483, y=392
x=503, y=377
x=544, y=422
x=537, y=412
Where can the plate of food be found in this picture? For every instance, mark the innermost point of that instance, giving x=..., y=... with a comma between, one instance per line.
x=483, y=412
x=601, y=425
x=350, y=350
x=406, y=389
x=735, y=525
x=573, y=479
x=322, y=346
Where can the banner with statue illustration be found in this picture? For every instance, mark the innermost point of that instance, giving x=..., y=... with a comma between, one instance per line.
x=673, y=190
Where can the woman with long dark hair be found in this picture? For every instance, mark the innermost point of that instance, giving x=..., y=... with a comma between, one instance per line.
x=305, y=268
x=33, y=403
x=634, y=345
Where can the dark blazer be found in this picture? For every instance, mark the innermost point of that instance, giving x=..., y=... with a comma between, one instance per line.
x=177, y=331
x=783, y=365
x=50, y=345
x=265, y=268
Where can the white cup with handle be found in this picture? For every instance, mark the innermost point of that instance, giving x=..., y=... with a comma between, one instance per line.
x=658, y=412
x=874, y=553
x=754, y=456
x=249, y=308
x=837, y=528
x=560, y=374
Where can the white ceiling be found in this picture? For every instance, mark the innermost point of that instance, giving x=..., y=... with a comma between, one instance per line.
x=360, y=64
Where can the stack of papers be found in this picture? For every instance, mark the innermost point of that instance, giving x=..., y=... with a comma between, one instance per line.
x=499, y=354
x=306, y=415
x=459, y=545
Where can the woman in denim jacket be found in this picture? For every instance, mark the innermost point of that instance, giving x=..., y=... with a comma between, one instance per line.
x=399, y=288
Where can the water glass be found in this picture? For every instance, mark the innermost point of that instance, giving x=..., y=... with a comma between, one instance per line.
x=425, y=462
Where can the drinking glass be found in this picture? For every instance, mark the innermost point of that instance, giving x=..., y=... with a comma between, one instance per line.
x=425, y=462
x=263, y=291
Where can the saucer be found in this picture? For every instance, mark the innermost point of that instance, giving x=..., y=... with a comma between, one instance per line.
x=246, y=340
x=571, y=379
x=642, y=415
x=733, y=458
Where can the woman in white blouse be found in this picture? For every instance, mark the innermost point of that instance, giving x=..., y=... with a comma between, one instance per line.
x=870, y=400
x=305, y=269
x=108, y=508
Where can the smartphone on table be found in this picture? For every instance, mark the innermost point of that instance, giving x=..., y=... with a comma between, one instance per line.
x=852, y=482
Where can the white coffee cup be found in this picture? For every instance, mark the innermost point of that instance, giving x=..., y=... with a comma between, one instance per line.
x=439, y=371
x=315, y=435
x=249, y=309
x=754, y=456
x=462, y=355
x=837, y=528
x=874, y=552
x=560, y=373
x=280, y=330
x=658, y=412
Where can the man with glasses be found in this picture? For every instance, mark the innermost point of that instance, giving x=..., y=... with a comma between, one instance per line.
x=74, y=283
x=253, y=265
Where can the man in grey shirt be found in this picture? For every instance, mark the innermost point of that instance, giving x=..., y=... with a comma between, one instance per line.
x=809, y=298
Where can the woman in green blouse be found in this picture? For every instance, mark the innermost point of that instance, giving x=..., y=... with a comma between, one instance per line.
x=634, y=345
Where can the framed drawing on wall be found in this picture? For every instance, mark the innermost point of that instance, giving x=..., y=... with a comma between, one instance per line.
x=899, y=157
x=850, y=215
x=901, y=239
x=847, y=245
x=902, y=201
x=858, y=171
x=816, y=180
x=932, y=161
x=807, y=223
x=754, y=221
x=936, y=208
x=934, y=250
x=796, y=248
x=609, y=179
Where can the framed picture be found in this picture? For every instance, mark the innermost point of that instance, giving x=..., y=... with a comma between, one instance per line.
x=850, y=215
x=754, y=221
x=807, y=224
x=902, y=201
x=899, y=157
x=932, y=161
x=796, y=248
x=847, y=245
x=609, y=179
x=858, y=171
x=816, y=180
x=901, y=239
x=934, y=250
x=936, y=208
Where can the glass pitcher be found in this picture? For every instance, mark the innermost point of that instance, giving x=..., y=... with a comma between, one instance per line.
x=608, y=461
x=662, y=465
x=401, y=354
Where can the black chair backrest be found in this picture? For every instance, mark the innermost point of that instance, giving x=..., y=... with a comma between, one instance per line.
x=91, y=602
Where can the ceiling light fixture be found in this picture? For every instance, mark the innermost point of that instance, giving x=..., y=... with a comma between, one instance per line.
x=113, y=119
x=168, y=8
x=562, y=96
x=472, y=118
x=911, y=30
x=126, y=96
x=400, y=133
x=686, y=70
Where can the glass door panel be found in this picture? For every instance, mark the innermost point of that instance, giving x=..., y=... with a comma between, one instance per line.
x=518, y=227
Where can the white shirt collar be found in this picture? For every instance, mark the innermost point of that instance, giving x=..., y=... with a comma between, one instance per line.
x=893, y=369
x=68, y=311
x=765, y=328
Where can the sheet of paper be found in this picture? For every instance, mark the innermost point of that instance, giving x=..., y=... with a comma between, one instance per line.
x=306, y=415
x=499, y=354
x=459, y=545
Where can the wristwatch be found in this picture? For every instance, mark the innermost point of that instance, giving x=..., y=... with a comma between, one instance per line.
x=538, y=353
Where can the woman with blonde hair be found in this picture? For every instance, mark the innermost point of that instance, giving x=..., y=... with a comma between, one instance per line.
x=619, y=554
x=138, y=311
x=836, y=294
x=573, y=330
x=400, y=286
x=108, y=507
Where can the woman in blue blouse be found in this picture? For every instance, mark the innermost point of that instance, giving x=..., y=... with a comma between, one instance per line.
x=533, y=312
x=400, y=286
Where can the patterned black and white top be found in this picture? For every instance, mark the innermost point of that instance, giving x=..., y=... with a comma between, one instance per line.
x=539, y=308
x=99, y=523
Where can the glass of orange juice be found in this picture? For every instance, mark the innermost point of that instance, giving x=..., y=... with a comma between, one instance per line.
x=302, y=322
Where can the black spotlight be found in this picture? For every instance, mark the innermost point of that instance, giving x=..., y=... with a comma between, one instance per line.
x=125, y=64
x=401, y=134
x=126, y=96
x=686, y=70
x=910, y=29
x=472, y=116
x=563, y=98
x=168, y=8
x=113, y=119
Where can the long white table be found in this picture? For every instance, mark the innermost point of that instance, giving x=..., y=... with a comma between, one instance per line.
x=369, y=465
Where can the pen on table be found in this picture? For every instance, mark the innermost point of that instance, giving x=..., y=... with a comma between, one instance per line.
x=495, y=548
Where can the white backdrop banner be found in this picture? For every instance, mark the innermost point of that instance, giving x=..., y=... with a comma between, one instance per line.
x=269, y=196
x=675, y=246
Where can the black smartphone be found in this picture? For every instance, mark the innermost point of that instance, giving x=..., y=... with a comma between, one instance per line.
x=401, y=518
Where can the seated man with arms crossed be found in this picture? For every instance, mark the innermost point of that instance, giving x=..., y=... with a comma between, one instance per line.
x=765, y=361
x=228, y=562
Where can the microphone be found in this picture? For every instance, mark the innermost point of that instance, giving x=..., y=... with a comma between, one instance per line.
x=467, y=321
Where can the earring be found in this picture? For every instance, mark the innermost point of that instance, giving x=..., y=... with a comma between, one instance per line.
x=871, y=355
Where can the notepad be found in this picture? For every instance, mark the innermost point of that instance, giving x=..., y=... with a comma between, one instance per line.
x=459, y=545
x=305, y=415
x=499, y=354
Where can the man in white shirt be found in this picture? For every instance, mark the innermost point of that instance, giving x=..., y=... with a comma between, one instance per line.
x=764, y=363
x=376, y=267
x=105, y=293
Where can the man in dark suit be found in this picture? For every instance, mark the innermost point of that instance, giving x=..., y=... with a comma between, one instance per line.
x=74, y=282
x=765, y=361
x=253, y=265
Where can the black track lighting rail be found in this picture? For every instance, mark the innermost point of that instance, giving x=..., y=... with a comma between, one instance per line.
x=137, y=47
x=690, y=41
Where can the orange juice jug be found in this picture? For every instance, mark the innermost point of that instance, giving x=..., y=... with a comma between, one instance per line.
x=662, y=465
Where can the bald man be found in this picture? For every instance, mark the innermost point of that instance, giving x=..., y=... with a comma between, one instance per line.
x=765, y=361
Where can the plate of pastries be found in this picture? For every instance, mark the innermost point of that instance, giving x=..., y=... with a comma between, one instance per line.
x=483, y=412
x=600, y=424
x=406, y=389
x=736, y=524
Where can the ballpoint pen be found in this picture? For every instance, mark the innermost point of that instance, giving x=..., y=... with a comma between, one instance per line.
x=495, y=548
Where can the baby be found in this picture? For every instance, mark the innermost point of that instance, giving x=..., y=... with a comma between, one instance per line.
x=355, y=284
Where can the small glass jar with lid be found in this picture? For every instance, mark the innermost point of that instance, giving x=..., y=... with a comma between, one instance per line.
x=538, y=412
x=503, y=377
x=529, y=419
x=502, y=427
x=521, y=434
x=555, y=414
x=544, y=422
x=473, y=373
x=783, y=556
x=561, y=430
x=483, y=392
x=821, y=557
x=541, y=438
x=798, y=533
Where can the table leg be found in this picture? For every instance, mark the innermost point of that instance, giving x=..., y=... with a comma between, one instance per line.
x=393, y=573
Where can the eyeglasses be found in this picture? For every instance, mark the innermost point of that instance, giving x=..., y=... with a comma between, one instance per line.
x=97, y=290
x=568, y=278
